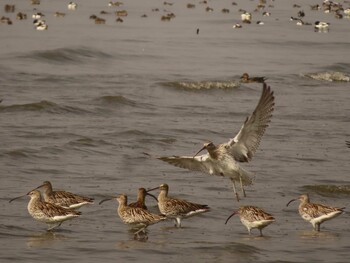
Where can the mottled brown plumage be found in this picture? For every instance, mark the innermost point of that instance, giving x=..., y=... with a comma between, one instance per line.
x=141, y=197
x=177, y=208
x=316, y=214
x=253, y=217
x=48, y=213
x=63, y=198
x=136, y=217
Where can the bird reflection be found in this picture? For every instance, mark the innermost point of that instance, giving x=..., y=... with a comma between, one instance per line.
x=44, y=239
x=142, y=236
x=310, y=234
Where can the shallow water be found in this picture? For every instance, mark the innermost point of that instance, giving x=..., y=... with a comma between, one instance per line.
x=82, y=103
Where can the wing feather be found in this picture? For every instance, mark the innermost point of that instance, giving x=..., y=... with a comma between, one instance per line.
x=66, y=199
x=317, y=210
x=51, y=210
x=243, y=146
x=204, y=164
x=187, y=162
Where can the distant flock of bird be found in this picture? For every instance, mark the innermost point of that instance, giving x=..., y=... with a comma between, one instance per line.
x=327, y=6
x=220, y=160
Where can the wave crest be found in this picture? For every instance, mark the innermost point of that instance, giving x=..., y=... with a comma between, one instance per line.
x=329, y=76
x=203, y=85
x=116, y=101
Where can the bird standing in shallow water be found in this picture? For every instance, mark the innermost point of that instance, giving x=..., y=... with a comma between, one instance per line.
x=136, y=217
x=63, y=198
x=253, y=217
x=52, y=215
x=316, y=214
x=222, y=160
x=177, y=208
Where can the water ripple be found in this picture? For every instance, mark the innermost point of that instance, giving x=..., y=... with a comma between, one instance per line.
x=329, y=76
x=66, y=55
x=328, y=189
x=42, y=106
x=116, y=101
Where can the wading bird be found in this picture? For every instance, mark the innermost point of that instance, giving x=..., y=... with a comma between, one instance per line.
x=63, y=198
x=316, y=214
x=253, y=217
x=223, y=159
x=52, y=215
x=137, y=218
x=177, y=208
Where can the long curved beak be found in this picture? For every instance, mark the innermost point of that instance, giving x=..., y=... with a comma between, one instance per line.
x=152, y=196
x=106, y=199
x=291, y=201
x=203, y=148
x=38, y=187
x=235, y=212
x=13, y=199
x=152, y=189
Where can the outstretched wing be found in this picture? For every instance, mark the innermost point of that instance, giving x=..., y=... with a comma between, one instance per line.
x=204, y=164
x=243, y=146
x=196, y=163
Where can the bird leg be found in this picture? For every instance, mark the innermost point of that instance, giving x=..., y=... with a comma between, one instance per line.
x=234, y=189
x=178, y=222
x=249, y=231
x=242, y=187
x=54, y=226
x=51, y=228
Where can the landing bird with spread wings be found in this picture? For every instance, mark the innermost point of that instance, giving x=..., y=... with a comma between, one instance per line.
x=223, y=159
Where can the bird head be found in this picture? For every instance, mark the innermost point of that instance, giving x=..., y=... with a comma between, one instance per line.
x=207, y=146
